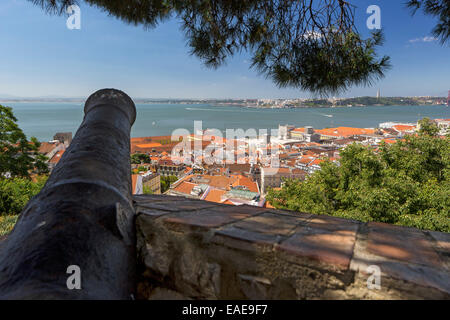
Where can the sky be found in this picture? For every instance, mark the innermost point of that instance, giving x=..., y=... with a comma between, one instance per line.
x=41, y=57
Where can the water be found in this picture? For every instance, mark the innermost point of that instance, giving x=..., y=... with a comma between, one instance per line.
x=43, y=120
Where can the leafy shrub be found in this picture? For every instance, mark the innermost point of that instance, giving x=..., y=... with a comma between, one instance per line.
x=16, y=192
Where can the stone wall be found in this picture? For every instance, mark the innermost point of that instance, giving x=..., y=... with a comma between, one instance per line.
x=200, y=250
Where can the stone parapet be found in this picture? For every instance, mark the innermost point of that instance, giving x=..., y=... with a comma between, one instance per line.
x=201, y=250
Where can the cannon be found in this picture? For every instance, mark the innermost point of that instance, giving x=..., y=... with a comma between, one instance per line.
x=81, y=224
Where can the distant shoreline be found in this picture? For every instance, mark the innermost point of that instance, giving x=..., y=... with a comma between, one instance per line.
x=268, y=103
x=43, y=120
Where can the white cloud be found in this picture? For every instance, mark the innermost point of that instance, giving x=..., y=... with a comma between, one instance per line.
x=312, y=35
x=424, y=39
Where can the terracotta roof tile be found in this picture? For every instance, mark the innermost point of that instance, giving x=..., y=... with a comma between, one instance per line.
x=55, y=159
x=246, y=182
x=403, y=128
x=47, y=147
x=185, y=187
x=215, y=195
x=345, y=131
x=149, y=145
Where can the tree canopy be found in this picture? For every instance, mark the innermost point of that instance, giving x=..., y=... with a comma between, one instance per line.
x=16, y=192
x=407, y=183
x=306, y=44
x=18, y=157
x=166, y=181
x=140, y=158
x=435, y=8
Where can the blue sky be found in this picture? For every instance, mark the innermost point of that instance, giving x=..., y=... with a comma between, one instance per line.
x=41, y=57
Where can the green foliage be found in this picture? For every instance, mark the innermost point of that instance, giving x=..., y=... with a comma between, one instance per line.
x=139, y=158
x=435, y=8
x=141, y=169
x=18, y=156
x=166, y=182
x=147, y=190
x=311, y=45
x=407, y=183
x=384, y=101
x=428, y=127
x=16, y=192
x=7, y=224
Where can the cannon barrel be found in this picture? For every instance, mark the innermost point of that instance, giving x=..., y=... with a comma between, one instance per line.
x=83, y=216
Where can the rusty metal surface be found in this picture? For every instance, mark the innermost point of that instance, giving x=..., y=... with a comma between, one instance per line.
x=83, y=216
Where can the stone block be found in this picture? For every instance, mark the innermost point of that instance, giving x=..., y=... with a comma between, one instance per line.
x=245, y=239
x=151, y=213
x=254, y=287
x=269, y=223
x=210, y=218
x=400, y=243
x=442, y=241
x=333, y=248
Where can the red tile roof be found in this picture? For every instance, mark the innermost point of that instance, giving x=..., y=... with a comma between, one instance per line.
x=229, y=202
x=47, y=147
x=215, y=195
x=345, y=131
x=185, y=187
x=403, y=128
x=149, y=145
x=316, y=162
x=246, y=182
x=284, y=170
x=55, y=159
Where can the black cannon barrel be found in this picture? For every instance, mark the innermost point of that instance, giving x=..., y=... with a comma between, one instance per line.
x=83, y=219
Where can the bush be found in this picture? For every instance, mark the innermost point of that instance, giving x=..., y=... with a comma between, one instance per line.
x=7, y=224
x=166, y=182
x=16, y=192
x=147, y=190
x=139, y=158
